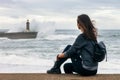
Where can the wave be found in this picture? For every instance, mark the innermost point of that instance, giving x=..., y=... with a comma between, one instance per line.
x=109, y=35
x=19, y=64
x=109, y=68
x=59, y=37
x=13, y=63
x=23, y=60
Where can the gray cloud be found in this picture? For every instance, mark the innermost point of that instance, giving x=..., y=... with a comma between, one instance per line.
x=58, y=6
x=61, y=8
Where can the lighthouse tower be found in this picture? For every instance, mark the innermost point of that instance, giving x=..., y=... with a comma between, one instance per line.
x=27, y=26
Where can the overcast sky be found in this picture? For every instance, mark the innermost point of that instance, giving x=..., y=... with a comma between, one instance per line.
x=62, y=13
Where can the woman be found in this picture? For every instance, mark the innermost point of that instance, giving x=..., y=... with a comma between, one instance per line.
x=80, y=52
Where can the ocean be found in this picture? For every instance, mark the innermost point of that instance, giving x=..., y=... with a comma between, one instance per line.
x=38, y=55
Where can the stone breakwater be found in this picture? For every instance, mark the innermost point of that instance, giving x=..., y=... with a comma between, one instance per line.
x=19, y=35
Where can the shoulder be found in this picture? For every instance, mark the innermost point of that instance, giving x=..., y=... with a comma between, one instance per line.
x=83, y=39
x=82, y=36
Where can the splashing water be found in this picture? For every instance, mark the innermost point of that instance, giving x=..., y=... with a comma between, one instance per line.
x=43, y=28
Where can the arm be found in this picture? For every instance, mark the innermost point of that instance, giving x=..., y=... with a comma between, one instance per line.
x=79, y=43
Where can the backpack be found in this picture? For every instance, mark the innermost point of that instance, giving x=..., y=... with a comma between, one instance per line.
x=99, y=51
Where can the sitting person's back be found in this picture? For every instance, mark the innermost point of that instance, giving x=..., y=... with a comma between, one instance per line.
x=82, y=61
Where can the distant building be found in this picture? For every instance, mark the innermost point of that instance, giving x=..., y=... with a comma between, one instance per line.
x=27, y=26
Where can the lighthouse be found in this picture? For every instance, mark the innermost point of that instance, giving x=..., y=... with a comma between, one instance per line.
x=27, y=26
x=26, y=34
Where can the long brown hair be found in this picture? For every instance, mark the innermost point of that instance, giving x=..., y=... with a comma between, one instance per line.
x=86, y=25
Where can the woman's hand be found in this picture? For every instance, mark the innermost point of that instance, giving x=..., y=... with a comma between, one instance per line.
x=61, y=55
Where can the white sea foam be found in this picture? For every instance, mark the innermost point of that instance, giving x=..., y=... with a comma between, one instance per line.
x=33, y=55
x=109, y=68
x=21, y=60
x=3, y=38
x=15, y=64
x=59, y=37
x=43, y=28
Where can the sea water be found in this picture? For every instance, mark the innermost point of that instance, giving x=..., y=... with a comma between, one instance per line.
x=38, y=55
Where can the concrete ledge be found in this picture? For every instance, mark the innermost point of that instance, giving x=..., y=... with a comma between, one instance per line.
x=43, y=76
